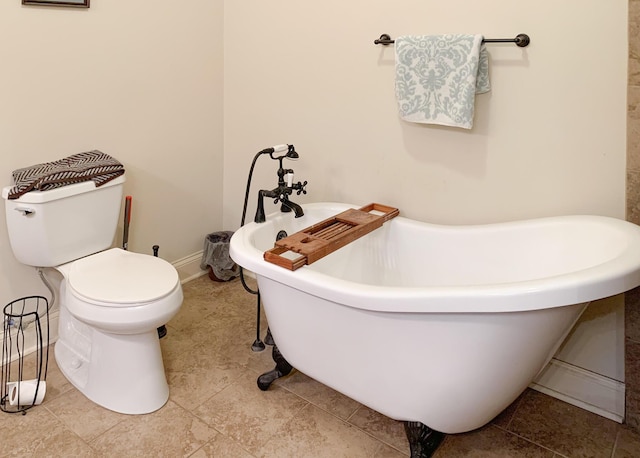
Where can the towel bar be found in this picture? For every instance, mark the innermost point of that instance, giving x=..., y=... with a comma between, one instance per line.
x=522, y=40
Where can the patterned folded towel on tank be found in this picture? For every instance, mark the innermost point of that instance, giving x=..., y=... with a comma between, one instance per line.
x=91, y=165
x=438, y=76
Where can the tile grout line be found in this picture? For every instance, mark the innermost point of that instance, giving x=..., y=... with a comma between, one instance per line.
x=70, y=430
x=344, y=421
x=293, y=417
x=615, y=444
x=528, y=440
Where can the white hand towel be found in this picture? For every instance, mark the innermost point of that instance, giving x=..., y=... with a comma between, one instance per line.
x=438, y=76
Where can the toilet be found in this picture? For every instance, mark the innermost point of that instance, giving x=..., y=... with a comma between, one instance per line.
x=111, y=301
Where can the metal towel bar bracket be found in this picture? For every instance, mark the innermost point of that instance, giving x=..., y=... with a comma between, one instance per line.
x=522, y=40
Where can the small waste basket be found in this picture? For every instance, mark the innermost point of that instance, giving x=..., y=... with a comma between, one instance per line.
x=216, y=259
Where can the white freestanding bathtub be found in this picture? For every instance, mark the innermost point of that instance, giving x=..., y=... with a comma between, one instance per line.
x=443, y=325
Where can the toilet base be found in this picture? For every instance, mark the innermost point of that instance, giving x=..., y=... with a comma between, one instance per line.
x=121, y=372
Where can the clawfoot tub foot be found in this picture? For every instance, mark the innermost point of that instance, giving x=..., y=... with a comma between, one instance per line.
x=423, y=440
x=282, y=368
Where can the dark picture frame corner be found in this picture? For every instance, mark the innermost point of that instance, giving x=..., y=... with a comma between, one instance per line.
x=67, y=3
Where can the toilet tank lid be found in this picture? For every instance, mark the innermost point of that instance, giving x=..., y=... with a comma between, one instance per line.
x=36, y=197
x=122, y=278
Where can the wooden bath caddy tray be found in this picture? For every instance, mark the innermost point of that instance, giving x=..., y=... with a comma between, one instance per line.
x=325, y=237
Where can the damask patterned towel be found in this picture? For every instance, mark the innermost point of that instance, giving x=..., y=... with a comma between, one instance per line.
x=91, y=165
x=438, y=76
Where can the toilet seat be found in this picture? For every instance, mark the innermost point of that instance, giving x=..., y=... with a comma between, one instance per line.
x=119, y=278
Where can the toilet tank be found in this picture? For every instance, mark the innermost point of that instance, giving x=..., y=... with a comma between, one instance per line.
x=49, y=228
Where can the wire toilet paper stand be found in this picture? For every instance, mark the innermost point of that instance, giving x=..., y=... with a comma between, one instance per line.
x=25, y=354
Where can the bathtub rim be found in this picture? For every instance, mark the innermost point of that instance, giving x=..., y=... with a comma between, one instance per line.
x=615, y=276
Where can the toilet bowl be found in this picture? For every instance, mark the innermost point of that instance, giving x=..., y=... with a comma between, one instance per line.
x=111, y=301
x=121, y=291
x=108, y=347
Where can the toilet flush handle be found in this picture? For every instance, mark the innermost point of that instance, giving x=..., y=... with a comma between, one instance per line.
x=26, y=211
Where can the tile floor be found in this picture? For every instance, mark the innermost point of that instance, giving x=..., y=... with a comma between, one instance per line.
x=216, y=410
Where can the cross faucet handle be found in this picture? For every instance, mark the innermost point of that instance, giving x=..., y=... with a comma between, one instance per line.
x=300, y=187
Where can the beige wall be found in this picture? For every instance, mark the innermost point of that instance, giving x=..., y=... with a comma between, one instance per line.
x=140, y=80
x=548, y=139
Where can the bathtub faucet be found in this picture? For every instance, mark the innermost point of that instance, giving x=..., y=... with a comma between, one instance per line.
x=282, y=192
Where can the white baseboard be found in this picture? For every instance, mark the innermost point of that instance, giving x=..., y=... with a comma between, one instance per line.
x=189, y=267
x=587, y=390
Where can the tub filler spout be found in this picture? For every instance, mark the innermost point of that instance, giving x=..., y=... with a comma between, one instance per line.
x=287, y=206
x=280, y=194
